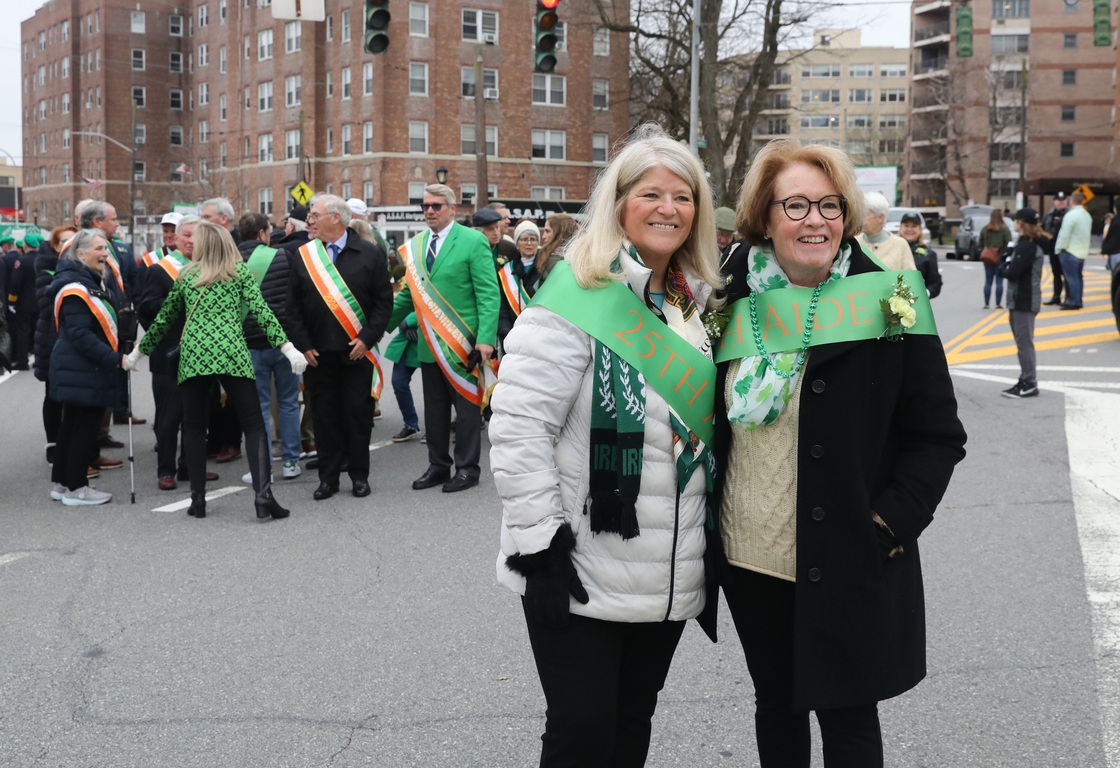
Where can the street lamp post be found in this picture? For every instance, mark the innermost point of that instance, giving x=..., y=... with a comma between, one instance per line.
x=131, y=176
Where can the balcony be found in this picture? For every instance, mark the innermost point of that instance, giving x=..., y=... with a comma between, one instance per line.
x=932, y=169
x=931, y=65
x=932, y=31
x=928, y=200
x=933, y=7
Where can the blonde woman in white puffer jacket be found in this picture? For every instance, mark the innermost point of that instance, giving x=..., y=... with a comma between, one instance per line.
x=607, y=586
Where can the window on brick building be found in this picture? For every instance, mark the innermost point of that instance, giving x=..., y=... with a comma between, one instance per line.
x=858, y=95
x=600, y=94
x=139, y=171
x=1069, y=77
x=138, y=22
x=418, y=78
x=367, y=193
x=1069, y=41
x=601, y=42
x=549, y=145
x=367, y=136
x=346, y=83
x=291, y=145
x=469, y=146
x=418, y=19
x=480, y=26
x=293, y=90
x=175, y=98
x=203, y=55
x=892, y=95
x=1065, y=149
x=345, y=25
x=293, y=37
x=203, y=94
x=1002, y=44
x=346, y=140
x=264, y=45
x=264, y=96
x=416, y=192
x=203, y=131
x=489, y=80
x=418, y=137
x=138, y=59
x=599, y=147
x=203, y=15
x=550, y=89
x=264, y=201
x=367, y=78
x=546, y=193
x=175, y=62
x=264, y=148
x=139, y=97
x=176, y=137
x=175, y=25
x=140, y=134
x=1069, y=114
x=222, y=66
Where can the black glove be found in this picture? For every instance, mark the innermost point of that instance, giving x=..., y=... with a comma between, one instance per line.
x=474, y=359
x=409, y=333
x=550, y=577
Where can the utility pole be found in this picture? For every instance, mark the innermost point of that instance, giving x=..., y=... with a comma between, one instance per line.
x=694, y=97
x=481, y=198
x=1023, y=132
x=132, y=184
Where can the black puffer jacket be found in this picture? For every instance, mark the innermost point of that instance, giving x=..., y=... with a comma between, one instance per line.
x=84, y=367
x=157, y=285
x=45, y=333
x=274, y=288
x=1022, y=268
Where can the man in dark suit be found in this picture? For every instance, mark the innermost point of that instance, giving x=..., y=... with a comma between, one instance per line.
x=458, y=264
x=336, y=338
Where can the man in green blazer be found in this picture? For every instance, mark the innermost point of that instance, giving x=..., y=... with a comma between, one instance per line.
x=460, y=269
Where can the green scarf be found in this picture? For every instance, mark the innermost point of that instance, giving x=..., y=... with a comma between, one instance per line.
x=759, y=395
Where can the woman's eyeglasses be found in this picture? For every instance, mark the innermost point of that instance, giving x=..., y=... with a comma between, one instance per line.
x=797, y=207
x=437, y=207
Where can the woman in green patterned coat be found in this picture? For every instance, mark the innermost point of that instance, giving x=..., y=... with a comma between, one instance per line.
x=211, y=293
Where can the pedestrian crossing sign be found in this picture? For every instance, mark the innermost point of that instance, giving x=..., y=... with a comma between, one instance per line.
x=301, y=193
x=1088, y=193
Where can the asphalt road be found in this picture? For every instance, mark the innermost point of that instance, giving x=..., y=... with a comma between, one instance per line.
x=372, y=632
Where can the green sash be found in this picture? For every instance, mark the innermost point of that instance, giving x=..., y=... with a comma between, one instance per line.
x=679, y=372
x=260, y=261
x=848, y=310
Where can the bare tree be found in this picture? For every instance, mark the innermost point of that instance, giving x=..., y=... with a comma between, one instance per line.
x=740, y=43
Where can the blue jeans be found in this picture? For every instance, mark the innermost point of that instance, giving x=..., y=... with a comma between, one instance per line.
x=990, y=275
x=1071, y=270
x=402, y=379
x=1111, y=261
x=269, y=364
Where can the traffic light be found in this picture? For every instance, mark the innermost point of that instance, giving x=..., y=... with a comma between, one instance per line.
x=545, y=36
x=377, y=26
x=1102, y=23
x=964, y=32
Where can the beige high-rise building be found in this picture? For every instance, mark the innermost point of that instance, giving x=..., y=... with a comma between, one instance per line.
x=843, y=94
x=1032, y=58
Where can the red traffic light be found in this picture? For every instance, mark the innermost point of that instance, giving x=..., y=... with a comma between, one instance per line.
x=548, y=4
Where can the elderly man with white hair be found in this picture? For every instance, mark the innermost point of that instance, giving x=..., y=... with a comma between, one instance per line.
x=339, y=301
x=889, y=250
x=219, y=210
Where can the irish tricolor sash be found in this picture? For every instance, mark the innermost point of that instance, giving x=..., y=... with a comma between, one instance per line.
x=115, y=265
x=340, y=301
x=512, y=288
x=173, y=263
x=151, y=258
x=449, y=337
x=101, y=309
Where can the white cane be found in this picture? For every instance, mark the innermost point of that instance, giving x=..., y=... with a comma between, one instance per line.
x=131, y=459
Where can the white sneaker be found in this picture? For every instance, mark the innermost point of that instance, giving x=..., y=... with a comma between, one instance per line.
x=58, y=491
x=247, y=478
x=291, y=469
x=85, y=497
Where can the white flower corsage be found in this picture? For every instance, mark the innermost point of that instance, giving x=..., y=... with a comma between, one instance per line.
x=899, y=310
x=715, y=322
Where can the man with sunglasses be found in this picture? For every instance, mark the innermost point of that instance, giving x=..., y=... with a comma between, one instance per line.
x=889, y=250
x=451, y=284
x=338, y=336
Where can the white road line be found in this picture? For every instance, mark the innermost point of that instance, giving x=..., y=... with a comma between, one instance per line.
x=1064, y=387
x=1054, y=368
x=382, y=444
x=215, y=494
x=8, y=375
x=1093, y=437
x=11, y=557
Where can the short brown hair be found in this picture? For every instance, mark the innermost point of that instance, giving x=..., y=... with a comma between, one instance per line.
x=1077, y=198
x=753, y=213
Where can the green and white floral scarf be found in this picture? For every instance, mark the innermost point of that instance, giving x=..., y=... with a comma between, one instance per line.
x=759, y=394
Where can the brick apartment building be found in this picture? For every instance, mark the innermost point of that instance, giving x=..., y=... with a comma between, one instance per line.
x=250, y=105
x=966, y=127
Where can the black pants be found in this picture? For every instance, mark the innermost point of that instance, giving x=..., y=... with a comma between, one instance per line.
x=600, y=681
x=342, y=411
x=223, y=429
x=76, y=448
x=242, y=394
x=21, y=329
x=439, y=396
x=169, y=419
x=52, y=416
x=762, y=607
x=1056, y=271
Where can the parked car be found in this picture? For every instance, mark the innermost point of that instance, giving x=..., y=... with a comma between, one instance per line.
x=973, y=219
x=894, y=218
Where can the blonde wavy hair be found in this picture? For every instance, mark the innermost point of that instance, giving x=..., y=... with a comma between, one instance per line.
x=596, y=245
x=215, y=255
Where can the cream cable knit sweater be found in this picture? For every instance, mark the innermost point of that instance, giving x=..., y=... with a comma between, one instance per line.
x=758, y=514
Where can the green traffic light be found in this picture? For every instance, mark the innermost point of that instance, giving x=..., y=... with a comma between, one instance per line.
x=545, y=35
x=377, y=26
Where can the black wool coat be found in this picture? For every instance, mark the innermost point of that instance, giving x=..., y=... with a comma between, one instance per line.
x=310, y=323
x=157, y=285
x=878, y=433
x=45, y=333
x=274, y=288
x=84, y=368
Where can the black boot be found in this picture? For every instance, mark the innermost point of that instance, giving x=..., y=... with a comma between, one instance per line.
x=198, y=506
x=267, y=505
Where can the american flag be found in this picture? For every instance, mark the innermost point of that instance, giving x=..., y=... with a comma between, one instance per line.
x=93, y=183
x=183, y=169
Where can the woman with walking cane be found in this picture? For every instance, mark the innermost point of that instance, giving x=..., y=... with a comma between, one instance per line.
x=84, y=364
x=211, y=292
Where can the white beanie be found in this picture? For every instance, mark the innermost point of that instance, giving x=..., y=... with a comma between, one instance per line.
x=526, y=227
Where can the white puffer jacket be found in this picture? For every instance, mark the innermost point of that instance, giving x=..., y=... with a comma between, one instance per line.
x=540, y=434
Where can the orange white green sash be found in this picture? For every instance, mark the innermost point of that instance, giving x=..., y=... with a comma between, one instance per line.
x=101, y=309
x=111, y=260
x=448, y=335
x=151, y=258
x=513, y=290
x=340, y=301
x=173, y=263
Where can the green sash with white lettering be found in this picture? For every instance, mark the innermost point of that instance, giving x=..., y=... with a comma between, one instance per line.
x=847, y=310
x=613, y=315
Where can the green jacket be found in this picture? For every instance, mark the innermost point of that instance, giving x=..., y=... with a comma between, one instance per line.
x=401, y=350
x=998, y=239
x=464, y=275
x=213, y=340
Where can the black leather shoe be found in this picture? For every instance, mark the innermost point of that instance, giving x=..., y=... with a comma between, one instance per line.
x=324, y=491
x=1070, y=306
x=198, y=506
x=1052, y=302
x=460, y=482
x=360, y=489
x=430, y=479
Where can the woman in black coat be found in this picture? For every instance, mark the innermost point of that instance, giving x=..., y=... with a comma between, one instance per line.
x=46, y=264
x=830, y=471
x=84, y=364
